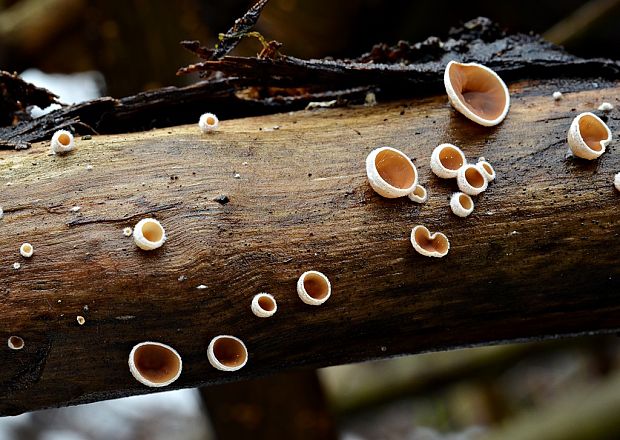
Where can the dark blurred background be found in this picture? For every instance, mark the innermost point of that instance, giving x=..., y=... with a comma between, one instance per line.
x=134, y=43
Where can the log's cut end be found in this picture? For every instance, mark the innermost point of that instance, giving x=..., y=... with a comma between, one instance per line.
x=536, y=258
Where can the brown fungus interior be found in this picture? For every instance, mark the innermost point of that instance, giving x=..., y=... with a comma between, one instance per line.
x=315, y=286
x=16, y=343
x=266, y=303
x=474, y=177
x=152, y=231
x=395, y=169
x=478, y=90
x=438, y=244
x=155, y=363
x=465, y=201
x=450, y=158
x=419, y=191
x=210, y=120
x=27, y=248
x=592, y=132
x=229, y=352
x=64, y=139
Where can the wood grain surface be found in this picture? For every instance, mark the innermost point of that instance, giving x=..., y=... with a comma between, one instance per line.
x=537, y=258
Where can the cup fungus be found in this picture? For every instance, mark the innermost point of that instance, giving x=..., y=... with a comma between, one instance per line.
x=127, y=231
x=419, y=194
x=427, y=244
x=477, y=92
x=15, y=343
x=264, y=305
x=461, y=204
x=155, y=364
x=486, y=169
x=26, y=250
x=149, y=234
x=588, y=136
x=313, y=288
x=62, y=142
x=208, y=123
x=227, y=353
x=617, y=181
x=470, y=180
x=391, y=173
x=446, y=161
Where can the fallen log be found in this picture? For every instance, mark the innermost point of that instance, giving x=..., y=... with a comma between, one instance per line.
x=536, y=259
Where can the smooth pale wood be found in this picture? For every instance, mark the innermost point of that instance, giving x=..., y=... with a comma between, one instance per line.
x=538, y=257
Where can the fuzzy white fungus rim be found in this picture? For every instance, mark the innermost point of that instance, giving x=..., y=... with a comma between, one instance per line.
x=471, y=180
x=208, y=123
x=314, y=288
x=391, y=173
x=15, y=343
x=62, y=142
x=264, y=305
x=461, y=204
x=149, y=234
x=227, y=353
x=162, y=357
x=487, y=169
x=617, y=181
x=457, y=103
x=430, y=245
x=26, y=250
x=446, y=160
x=588, y=136
x=419, y=194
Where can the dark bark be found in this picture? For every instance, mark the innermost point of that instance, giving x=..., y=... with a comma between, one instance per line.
x=254, y=86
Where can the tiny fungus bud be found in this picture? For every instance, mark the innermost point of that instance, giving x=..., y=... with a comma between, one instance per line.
x=62, y=142
x=486, y=169
x=208, y=123
x=419, y=194
x=15, y=343
x=26, y=250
